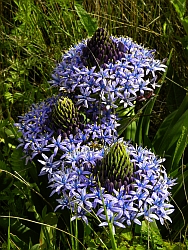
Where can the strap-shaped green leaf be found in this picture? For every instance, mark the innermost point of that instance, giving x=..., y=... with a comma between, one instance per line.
x=171, y=129
x=89, y=23
x=180, y=148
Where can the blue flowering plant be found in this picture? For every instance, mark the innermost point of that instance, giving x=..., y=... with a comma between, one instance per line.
x=75, y=134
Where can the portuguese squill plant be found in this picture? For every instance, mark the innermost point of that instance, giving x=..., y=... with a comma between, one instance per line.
x=75, y=134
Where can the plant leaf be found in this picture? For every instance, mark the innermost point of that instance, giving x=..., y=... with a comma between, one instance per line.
x=89, y=23
x=180, y=148
x=19, y=229
x=180, y=7
x=171, y=129
x=185, y=24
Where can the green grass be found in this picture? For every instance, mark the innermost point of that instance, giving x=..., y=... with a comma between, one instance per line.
x=33, y=36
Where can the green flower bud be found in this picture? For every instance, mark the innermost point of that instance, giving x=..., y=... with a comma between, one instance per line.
x=64, y=114
x=116, y=168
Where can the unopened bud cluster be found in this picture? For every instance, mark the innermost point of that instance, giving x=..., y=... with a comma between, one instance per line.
x=101, y=50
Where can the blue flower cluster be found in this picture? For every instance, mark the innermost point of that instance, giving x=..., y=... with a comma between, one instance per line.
x=72, y=160
x=147, y=197
x=124, y=81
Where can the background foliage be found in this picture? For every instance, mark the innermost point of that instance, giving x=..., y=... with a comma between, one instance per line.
x=33, y=36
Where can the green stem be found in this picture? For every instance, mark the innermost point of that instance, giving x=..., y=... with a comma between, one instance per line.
x=72, y=238
x=8, y=240
x=110, y=226
x=76, y=235
x=112, y=238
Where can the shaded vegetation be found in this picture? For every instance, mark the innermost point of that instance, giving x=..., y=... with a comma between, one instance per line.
x=33, y=36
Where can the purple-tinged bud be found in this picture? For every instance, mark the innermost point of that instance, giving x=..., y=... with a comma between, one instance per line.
x=122, y=47
x=101, y=43
x=64, y=136
x=120, y=55
x=131, y=180
x=127, y=189
x=119, y=185
x=114, y=58
x=100, y=56
x=110, y=187
x=105, y=59
x=127, y=179
x=125, y=183
x=131, y=187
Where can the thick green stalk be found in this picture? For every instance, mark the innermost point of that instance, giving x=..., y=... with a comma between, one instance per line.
x=112, y=238
x=110, y=226
x=76, y=235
